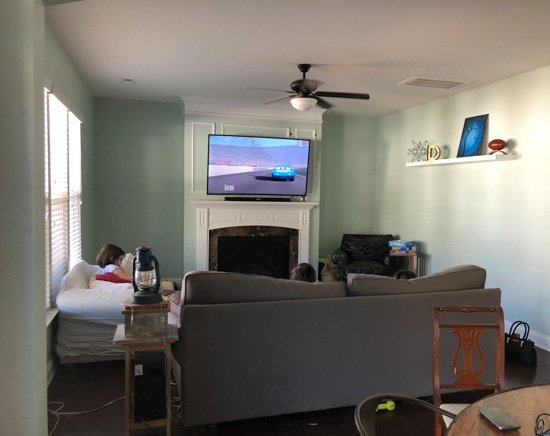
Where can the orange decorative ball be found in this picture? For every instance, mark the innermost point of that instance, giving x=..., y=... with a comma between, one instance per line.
x=497, y=144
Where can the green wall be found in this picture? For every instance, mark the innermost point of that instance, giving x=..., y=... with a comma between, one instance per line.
x=348, y=179
x=492, y=214
x=138, y=179
x=23, y=389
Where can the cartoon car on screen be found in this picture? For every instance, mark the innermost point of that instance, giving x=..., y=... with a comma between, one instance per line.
x=282, y=172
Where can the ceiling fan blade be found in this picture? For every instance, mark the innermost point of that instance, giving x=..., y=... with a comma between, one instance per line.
x=323, y=103
x=343, y=95
x=273, y=100
x=270, y=89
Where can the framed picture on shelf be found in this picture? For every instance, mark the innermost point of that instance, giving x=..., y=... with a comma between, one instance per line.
x=472, y=134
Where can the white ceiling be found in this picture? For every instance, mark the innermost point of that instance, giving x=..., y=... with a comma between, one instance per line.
x=221, y=48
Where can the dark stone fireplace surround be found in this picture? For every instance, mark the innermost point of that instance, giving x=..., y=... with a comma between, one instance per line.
x=288, y=217
x=254, y=233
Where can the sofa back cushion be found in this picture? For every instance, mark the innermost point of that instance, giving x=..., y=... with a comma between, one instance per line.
x=214, y=287
x=452, y=279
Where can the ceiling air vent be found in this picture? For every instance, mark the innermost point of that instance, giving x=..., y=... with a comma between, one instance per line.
x=432, y=83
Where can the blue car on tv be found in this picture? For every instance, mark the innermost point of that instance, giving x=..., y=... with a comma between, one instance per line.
x=282, y=172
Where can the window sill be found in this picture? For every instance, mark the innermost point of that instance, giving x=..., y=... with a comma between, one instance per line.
x=50, y=315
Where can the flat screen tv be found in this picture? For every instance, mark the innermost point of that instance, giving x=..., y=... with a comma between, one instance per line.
x=252, y=165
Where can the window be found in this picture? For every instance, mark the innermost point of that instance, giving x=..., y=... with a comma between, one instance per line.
x=63, y=189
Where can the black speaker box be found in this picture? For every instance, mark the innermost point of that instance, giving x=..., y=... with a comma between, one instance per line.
x=150, y=387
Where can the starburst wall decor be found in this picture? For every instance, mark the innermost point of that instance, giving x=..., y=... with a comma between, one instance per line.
x=419, y=151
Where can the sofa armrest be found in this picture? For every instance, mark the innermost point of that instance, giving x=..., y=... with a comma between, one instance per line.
x=339, y=256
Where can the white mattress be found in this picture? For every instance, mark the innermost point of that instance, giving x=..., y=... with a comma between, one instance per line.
x=100, y=306
x=88, y=317
x=80, y=338
x=89, y=311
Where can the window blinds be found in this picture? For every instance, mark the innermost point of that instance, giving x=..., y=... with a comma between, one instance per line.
x=63, y=191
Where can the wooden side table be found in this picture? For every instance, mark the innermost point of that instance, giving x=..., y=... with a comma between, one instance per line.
x=411, y=255
x=146, y=343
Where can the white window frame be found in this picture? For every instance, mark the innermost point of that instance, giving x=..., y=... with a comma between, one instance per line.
x=63, y=191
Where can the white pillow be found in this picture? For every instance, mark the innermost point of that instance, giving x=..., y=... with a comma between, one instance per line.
x=103, y=284
x=166, y=285
x=127, y=263
x=79, y=275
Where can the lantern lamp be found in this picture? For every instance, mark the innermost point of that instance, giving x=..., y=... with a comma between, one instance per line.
x=145, y=277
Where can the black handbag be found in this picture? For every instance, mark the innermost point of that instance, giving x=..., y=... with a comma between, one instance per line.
x=520, y=349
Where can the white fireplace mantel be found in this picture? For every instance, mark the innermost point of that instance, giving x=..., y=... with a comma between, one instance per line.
x=222, y=214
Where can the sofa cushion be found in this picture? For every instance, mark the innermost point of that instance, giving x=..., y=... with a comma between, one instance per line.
x=174, y=298
x=452, y=279
x=214, y=287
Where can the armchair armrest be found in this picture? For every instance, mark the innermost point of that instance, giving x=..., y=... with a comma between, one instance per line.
x=339, y=256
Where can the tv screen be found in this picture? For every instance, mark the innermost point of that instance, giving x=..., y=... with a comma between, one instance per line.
x=239, y=165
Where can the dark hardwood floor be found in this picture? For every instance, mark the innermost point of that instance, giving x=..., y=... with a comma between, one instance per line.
x=85, y=387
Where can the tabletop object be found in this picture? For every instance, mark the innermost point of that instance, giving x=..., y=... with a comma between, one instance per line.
x=523, y=405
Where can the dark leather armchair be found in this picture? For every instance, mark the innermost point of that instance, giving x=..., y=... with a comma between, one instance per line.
x=365, y=254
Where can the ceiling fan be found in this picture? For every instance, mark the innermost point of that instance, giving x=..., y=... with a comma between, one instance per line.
x=304, y=94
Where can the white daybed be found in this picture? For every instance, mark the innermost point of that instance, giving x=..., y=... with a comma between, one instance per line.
x=89, y=311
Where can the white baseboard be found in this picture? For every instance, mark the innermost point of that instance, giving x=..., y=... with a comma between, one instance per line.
x=540, y=340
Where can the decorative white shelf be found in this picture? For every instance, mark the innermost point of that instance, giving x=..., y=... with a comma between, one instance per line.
x=461, y=160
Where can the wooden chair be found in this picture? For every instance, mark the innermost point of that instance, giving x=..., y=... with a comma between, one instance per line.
x=467, y=361
x=365, y=412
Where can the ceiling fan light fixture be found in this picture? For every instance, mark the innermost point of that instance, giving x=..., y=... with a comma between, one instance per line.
x=303, y=103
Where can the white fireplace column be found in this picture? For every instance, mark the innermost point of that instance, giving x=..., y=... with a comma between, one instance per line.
x=223, y=214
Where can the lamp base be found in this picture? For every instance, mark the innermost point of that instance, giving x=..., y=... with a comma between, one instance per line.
x=146, y=297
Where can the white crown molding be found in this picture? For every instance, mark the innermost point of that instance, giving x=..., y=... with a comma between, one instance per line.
x=58, y=2
x=284, y=111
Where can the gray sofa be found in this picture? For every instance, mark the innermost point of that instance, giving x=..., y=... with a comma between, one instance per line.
x=252, y=346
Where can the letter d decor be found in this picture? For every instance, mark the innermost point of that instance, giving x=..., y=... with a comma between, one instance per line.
x=433, y=152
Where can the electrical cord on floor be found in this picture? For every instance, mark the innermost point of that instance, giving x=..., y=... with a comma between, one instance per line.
x=57, y=413
x=149, y=427
x=177, y=406
x=175, y=400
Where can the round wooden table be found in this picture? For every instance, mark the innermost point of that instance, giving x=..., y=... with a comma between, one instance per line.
x=521, y=404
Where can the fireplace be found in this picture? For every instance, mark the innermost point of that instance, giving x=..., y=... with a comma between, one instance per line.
x=264, y=250
x=226, y=217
